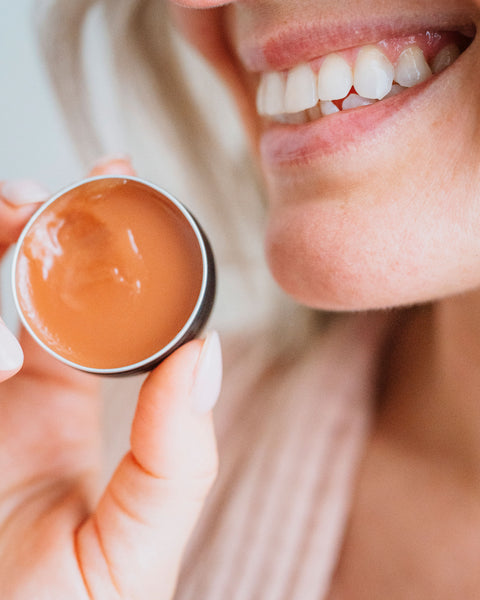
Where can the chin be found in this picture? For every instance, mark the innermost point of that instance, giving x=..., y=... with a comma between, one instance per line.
x=327, y=257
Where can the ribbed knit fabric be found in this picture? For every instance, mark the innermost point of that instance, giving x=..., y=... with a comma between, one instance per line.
x=290, y=443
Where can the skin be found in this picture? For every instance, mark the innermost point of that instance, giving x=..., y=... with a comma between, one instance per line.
x=352, y=234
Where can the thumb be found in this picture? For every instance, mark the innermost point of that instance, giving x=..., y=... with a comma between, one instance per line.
x=131, y=547
x=18, y=201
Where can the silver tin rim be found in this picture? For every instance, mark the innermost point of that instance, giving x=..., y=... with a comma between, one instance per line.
x=182, y=335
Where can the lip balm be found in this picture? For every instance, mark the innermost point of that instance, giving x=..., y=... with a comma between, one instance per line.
x=112, y=275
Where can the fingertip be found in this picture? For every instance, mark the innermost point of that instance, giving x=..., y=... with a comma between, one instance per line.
x=208, y=375
x=173, y=377
x=113, y=165
x=193, y=371
x=22, y=192
x=168, y=436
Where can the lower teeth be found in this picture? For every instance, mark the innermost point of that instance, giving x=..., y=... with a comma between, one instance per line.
x=355, y=101
x=326, y=108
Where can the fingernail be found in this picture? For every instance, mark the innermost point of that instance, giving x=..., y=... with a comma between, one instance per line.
x=104, y=160
x=11, y=354
x=115, y=164
x=208, y=375
x=23, y=191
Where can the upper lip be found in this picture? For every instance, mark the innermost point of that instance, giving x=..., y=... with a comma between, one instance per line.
x=281, y=48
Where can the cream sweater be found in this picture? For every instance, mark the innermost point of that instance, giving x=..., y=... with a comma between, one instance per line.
x=290, y=442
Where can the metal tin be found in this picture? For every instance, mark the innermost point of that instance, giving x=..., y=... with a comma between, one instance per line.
x=198, y=316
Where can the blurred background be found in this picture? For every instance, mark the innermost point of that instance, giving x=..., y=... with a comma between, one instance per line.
x=34, y=141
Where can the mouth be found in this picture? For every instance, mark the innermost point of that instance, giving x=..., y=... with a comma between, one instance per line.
x=305, y=81
x=356, y=77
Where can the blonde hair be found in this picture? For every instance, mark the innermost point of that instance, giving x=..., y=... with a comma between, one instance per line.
x=180, y=127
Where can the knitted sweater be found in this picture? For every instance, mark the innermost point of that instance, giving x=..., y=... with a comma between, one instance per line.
x=290, y=442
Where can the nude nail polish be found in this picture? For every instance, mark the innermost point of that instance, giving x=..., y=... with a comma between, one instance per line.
x=11, y=354
x=208, y=375
x=19, y=192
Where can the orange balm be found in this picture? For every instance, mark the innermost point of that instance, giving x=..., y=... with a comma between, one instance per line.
x=113, y=274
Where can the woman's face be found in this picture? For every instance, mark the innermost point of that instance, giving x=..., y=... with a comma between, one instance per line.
x=369, y=207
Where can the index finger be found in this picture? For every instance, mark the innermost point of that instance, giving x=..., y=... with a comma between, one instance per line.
x=18, y=201
x=113, y=165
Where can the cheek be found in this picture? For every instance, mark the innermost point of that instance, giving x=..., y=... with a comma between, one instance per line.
x=354, y=257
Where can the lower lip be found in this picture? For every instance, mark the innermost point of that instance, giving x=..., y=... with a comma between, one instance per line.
x=113, y=274
x=283, y=145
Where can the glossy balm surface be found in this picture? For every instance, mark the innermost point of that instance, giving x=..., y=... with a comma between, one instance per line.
x=106, y=279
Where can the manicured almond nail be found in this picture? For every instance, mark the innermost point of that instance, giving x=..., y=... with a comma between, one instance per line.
x=23, y=191
x=104, y=160
x=208, y=375
x=116, y=164
x=11, y=354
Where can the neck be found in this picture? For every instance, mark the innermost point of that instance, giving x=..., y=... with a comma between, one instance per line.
x=431, y=393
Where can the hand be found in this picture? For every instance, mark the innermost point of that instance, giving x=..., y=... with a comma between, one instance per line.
x=57, y=540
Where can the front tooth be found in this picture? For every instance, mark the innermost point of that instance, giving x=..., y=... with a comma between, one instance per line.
x=301, y=89
x=355, y=101
x=328, y=108
x=445, y=58
x=412, y=68
x=373, y=73
x=271, y=94
x=335, y=78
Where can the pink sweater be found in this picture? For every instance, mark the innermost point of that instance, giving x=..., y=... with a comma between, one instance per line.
x=290, y=442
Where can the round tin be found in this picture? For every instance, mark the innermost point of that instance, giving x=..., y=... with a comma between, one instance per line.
x=202, y=307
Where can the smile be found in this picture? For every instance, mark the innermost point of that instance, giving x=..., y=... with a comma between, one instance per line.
x=355, y=77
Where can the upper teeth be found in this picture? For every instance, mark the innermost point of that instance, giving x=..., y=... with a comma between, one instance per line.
x=412, y=68
x=445, y=58
x=335, y=78
x=372, y=75
x=271, y=94
x=301, y=89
